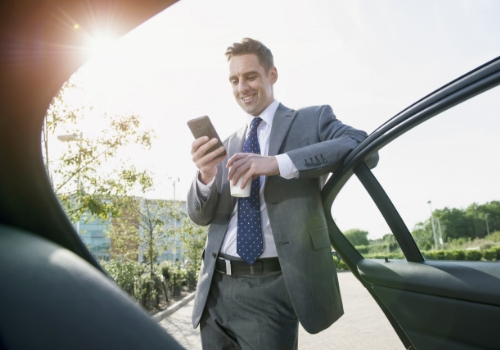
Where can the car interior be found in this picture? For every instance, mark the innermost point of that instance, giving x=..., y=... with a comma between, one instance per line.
x=43, y=262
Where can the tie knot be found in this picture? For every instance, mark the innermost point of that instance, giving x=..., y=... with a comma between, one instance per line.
x=255, y=123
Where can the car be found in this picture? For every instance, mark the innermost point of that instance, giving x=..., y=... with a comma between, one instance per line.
x=54, y=294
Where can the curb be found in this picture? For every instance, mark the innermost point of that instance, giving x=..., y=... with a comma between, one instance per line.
x=173, y=308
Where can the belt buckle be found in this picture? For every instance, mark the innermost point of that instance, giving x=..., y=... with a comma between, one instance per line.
x=228, y=266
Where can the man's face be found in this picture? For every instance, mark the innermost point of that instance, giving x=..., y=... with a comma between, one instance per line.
x=252, y=87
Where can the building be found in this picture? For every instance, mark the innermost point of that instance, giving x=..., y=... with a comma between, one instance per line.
x=92, y=232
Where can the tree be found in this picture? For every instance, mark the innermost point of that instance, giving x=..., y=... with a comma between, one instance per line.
x=454, y=223
x=155, y=217
x=91, y=171
x=145, y=226
x=193, y=238
x=490, y=213
x=357, y=237
x=423, y=235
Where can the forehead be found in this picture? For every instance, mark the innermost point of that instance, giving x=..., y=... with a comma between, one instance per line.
x=239, y=65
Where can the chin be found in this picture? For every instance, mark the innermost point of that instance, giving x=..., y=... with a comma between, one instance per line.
x=248, y=110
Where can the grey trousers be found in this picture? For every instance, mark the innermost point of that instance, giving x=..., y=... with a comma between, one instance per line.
x=249, y=312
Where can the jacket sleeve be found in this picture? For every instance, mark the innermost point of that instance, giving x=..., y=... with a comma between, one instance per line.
x=334, y=141
x=199, y=210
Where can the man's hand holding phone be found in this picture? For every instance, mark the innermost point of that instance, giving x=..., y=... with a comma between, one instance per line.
x=207, y=162
x=207, y=150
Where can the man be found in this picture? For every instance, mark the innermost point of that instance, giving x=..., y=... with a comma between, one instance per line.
x=267, y=262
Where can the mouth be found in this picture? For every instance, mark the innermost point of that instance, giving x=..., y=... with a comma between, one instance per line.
x=248, y=98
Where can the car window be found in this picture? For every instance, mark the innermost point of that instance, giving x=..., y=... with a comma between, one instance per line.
x=442, y=177
x=359, y=219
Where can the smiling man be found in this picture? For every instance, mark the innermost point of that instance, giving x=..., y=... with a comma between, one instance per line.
x=267, y=263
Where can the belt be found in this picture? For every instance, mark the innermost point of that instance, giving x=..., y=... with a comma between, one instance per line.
x=237, y=268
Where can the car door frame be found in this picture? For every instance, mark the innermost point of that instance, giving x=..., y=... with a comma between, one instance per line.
x=372, y=273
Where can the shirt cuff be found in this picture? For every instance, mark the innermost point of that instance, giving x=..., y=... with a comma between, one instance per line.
x=286, y=167
x=203, y=190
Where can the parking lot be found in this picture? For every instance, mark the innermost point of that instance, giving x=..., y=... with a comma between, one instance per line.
x=363, y=325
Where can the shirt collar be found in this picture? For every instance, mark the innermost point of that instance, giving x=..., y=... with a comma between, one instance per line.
x=267, y=114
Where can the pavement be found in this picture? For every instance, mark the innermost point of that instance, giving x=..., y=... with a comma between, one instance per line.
x=363, y=325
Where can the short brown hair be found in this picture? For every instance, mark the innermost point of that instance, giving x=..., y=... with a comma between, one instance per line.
x=251, y=46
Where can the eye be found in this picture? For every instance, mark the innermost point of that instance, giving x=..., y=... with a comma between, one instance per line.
x=233, y=81
x=252, y=77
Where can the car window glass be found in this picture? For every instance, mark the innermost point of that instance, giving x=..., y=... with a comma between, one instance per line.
x=359, y=219
x=447, y=166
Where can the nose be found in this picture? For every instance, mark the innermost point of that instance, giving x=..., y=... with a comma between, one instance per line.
x=242, y=86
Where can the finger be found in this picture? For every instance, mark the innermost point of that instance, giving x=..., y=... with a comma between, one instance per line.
x=215, y=155
x=246, y=177
x=203, y=149
x=235, y=158
x=197, y=143
x=233, y=164
x=241, y=168
x=207, y=163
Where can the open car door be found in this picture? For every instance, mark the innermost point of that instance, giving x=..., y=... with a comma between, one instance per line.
x=442, y=145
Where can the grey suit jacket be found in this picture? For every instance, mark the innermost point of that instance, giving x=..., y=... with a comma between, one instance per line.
x=316, y=142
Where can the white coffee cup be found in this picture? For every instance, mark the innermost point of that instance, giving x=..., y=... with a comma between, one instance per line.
x=237, y=191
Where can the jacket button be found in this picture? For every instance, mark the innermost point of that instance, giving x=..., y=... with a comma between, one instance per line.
x=214, y=255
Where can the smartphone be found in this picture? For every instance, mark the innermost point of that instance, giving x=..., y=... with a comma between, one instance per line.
x=202, y=126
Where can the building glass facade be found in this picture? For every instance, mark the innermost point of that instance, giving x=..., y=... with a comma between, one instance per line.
x=92, y=233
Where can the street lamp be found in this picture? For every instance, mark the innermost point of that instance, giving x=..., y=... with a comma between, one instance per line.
x=79, y=138
x=487, y=226
x=440, y=233
x=174, y=249
x=433, y=228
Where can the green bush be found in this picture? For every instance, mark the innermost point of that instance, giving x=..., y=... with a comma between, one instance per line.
x=459, y=254
x=430, y=255
x=497, y=250
x=150, y=289
x=473, y=255
x=444, y=255
x=363, y=249
x=454, y=255
x=341, y=265
x=125, y=274
x=494, y=236
x=175, y=275
x=490, y=254
x=449, y=255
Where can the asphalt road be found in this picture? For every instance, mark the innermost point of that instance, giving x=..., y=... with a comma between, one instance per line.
x=363, y=325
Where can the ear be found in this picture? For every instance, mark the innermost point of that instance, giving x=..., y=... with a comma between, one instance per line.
x=273, y=75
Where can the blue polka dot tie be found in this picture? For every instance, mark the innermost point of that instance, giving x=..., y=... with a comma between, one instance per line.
x=249, y=238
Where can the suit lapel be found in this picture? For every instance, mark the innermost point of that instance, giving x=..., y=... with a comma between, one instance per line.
x=235, y=143
x=281, y=123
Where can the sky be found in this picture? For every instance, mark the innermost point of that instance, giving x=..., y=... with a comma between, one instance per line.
x=367, y=59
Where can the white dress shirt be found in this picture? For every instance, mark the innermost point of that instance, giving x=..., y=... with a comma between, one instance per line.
x=287, y=170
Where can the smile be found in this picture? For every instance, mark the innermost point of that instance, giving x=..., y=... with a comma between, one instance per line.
x=248, y=98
